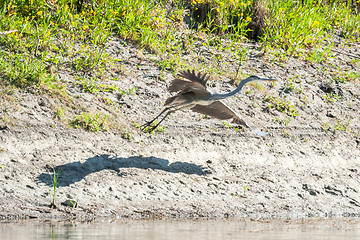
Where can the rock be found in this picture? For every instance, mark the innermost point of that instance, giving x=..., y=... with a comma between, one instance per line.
x=70, y=203
x=311, y=189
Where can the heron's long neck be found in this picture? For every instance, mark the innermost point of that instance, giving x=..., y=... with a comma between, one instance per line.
x=219, y=96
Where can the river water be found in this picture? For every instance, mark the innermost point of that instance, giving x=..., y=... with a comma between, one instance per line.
x=157, y=229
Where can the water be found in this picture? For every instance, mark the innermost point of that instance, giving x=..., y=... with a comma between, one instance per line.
x=149, y=229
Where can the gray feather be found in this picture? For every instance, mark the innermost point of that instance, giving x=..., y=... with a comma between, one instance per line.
x=219, y=110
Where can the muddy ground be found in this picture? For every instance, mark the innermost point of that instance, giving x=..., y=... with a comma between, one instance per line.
x=308, y=164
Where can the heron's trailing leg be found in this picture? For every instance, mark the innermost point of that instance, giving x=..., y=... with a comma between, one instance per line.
x=148, y=124
x=169, y=111
x=158, y=123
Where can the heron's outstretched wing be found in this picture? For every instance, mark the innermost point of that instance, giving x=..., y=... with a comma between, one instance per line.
x=190, y=78
x=219, y=110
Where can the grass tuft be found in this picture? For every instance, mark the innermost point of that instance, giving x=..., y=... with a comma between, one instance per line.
x=89, y=122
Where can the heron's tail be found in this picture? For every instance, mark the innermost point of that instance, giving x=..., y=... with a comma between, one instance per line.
x=261, y=134
x=243, y=123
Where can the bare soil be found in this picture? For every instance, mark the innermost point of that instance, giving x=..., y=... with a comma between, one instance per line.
x=308, y=165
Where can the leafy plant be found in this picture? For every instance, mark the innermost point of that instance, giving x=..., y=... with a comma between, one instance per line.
x=54, y=179
x=285, y=121
x=281, y=105
x=330, y=97
x=93, y=123
x=127, y=135
x=92, y=59
x=59, y=113
x=321, y=54
x=89, y=86
x=130, y=91
x=325, y=127
x=245, y=190
x=345, y=76
x=108, y=88
x=161, y=129
x=226, y=124
x=340, y=125
x=292, y=86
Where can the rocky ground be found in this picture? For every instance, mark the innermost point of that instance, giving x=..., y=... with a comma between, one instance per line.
x=308, y=164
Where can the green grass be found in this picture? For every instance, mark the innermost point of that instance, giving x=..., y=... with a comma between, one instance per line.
x=330, y=98
x=54, y=179
x=89, y=122
x=72, y=36
x=345, y=76
x=296, y=27
x=226, y=124
x=281, y=105
x=59, y=113
x=42, y=39
x=23, y=71
x=245, y=188
x=340, y=125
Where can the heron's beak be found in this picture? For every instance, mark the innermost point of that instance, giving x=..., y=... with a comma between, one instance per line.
x=267, y=79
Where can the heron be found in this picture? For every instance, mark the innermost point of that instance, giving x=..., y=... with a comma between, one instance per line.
x=192, y=93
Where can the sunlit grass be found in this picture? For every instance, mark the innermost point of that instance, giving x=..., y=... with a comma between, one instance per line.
x=294, y=26
x=72, y=35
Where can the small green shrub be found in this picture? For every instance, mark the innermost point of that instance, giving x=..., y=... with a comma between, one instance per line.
x=93, y=123
x=281, y=105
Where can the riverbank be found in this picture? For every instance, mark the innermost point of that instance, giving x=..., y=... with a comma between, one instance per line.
x=196, y=167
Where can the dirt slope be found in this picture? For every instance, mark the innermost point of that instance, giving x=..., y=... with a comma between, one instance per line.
x=308, y=164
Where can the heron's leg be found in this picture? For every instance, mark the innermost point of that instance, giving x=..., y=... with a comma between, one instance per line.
x=147, y=124
x=158, y=123
x=171, y=110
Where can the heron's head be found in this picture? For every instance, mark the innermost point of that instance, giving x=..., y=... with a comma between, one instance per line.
x=256, y=78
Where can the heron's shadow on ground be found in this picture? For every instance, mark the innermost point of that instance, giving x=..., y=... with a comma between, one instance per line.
x=74, y=172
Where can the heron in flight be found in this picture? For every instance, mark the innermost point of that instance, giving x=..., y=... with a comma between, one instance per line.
x=192, y=93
